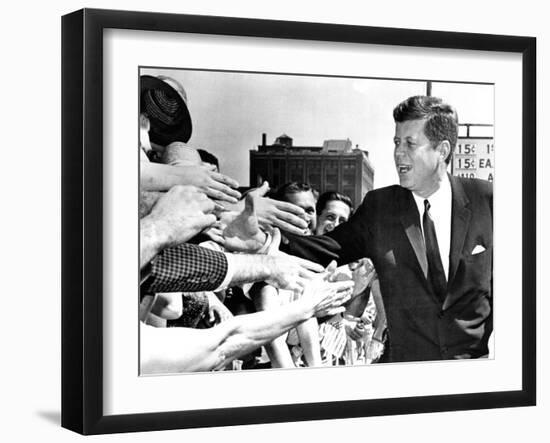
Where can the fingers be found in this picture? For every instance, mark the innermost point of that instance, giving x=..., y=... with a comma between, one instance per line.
x=224, y=180
x=290, y=282
x=216, y=236
x=222, y=193
x=291, y=228
x=289, y=208
x=340, y=292
x=289, y=219
x=329, y=270
x=330, y=312
x=275, y=241
x=205, y=204
x=295, y=287
x=309, y=265
x=214, y=230
x=218, y=210
x=204, y=221
x=305, y=274
x=342, y=286
x=262, y=190
x=340, y=298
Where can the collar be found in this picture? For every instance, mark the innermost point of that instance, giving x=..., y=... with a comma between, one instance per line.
x=440, y=198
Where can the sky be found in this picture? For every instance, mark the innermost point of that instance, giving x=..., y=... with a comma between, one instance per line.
x=231, y=110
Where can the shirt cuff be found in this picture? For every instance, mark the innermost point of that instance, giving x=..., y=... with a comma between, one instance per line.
x=229, y=274
x=212, y=245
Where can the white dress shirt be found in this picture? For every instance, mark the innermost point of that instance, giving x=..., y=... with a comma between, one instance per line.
x=441, y=207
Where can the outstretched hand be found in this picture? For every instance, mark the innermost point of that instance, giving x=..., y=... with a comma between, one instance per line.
x=327, y=297
x=292, y=273
x=240, y=233
x=279, y=214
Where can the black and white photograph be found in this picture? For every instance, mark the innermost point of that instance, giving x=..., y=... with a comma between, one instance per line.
x=291, y=220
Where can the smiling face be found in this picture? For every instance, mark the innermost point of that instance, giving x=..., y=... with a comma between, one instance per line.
x=334, y=213
x=306, y=201
x=419, y=165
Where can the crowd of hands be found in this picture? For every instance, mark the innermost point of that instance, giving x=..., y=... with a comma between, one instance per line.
x=205, y=201
x=179, y=202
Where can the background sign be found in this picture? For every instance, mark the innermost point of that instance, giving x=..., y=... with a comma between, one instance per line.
x=474, y=158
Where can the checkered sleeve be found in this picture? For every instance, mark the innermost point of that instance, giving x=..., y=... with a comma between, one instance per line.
x=186, y=268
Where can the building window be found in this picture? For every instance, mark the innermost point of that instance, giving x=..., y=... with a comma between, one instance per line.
x=314, y=173
x=296, y=170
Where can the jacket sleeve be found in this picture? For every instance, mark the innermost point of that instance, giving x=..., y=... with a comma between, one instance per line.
x=350, y=241
x=185, y=268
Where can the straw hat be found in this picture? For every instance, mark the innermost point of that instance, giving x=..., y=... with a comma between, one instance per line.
x=164, y=102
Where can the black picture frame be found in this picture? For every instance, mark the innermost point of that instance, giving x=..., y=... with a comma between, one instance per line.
x=82, y=218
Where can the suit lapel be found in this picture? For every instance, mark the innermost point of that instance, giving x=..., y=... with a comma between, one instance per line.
x=410, y=220
x=460, y=222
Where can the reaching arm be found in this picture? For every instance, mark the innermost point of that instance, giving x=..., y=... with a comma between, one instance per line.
x=175, y=269
x=183, y=349
x=281, y=271
x=159, y=177
x=188, y=268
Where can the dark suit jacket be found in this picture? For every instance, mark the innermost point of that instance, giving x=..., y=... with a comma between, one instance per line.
x=386, y=228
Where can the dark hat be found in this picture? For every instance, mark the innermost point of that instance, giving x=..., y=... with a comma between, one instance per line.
x=164, y=102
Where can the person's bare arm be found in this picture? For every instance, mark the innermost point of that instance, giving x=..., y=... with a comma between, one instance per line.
x=184, y=349
x=281, y=271
x=159, y=177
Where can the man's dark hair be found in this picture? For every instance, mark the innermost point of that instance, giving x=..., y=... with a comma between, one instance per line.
x=332, y=196
x=291, y=188
x=207, y=157
x=441, y=119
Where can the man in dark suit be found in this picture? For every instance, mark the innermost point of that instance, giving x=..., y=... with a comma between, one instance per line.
x=430, y=240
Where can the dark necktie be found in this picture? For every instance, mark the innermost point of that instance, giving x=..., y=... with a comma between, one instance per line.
x=436, y=273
